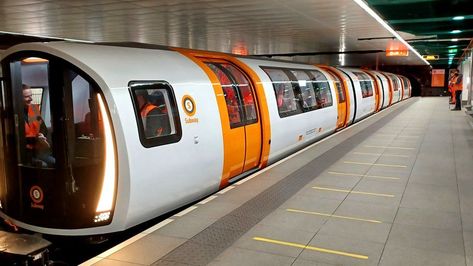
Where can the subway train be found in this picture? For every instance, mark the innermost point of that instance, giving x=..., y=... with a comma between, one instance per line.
x=134, y=131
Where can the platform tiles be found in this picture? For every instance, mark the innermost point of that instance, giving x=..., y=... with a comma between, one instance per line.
x=395, y=189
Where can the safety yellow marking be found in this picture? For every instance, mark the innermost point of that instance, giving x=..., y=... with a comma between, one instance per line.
x=323, y=250
x=377, y=164
x=361, y=175
x=398, y=136
x=335, y=216
x=389, y=147
x=354, y=192
x=186, y=211
x=381, y=154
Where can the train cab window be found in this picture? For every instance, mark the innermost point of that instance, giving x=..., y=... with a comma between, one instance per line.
x=238, y=93
x=366, y=84
x=156, y=113
x=321, y=86
x=286, y=99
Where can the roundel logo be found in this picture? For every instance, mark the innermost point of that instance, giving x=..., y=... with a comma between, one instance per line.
x=189, y=105
x=36, y=194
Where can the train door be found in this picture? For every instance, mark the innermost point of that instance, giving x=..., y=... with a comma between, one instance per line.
x=53, y=172
x=244, y=127
x=342, y=101
x=377, y=90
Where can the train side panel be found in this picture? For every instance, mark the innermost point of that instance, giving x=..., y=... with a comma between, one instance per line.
x=293, y=132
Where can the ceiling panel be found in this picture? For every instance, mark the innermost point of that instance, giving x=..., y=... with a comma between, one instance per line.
x=259, y=27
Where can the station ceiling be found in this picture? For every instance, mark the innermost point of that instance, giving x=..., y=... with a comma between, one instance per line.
x=335, y=32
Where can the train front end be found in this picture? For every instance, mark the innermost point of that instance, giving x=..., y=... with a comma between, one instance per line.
x=58, y=166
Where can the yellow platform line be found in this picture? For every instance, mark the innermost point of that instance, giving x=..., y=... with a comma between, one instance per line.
x=389, y=147
x=361, y=175
x=355, y=192
x=381, y=154
x=335, y=216
x=377, y=164
x=323, y=250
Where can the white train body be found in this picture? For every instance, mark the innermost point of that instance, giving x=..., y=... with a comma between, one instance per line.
x=148, y=180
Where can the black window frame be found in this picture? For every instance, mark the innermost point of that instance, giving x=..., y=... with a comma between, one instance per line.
x=135, y=85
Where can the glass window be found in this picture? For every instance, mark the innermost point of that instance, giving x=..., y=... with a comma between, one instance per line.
x=366, y=84
x=321, y=86
x=338, y=87
x=246, y=93
x=234, y=108
x=285, y=96
x=156, y=112
x=309, y=101
x=37, y=94
x=395, y=82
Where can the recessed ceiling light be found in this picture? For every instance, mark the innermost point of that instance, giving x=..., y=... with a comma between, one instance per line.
x=454, y=40
x=456, y=31
x=459, y=18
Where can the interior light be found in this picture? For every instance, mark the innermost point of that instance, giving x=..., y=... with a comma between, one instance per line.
x=452, y=46
x=454, y=40
x=34, y=60
x=109, y=175
x=459, y=18
x=370, y=11
x=456, y=31
x=452, y=51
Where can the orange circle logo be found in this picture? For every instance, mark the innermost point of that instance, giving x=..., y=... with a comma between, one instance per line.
x=36, y=194
x=189, y=105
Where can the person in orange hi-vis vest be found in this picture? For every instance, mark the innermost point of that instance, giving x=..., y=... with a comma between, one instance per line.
x=37, y=145
x=151, y=115
x=457, y=87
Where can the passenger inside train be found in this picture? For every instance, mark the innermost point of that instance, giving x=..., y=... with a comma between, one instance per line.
x=153, y=112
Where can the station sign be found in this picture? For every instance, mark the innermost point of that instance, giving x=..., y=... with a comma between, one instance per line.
x=430, y=57
x=396, y=48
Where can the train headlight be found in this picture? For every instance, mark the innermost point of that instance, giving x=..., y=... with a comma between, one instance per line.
x=105, y=205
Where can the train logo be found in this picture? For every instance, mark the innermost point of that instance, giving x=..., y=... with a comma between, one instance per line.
x=189, y=105
x=36, y=195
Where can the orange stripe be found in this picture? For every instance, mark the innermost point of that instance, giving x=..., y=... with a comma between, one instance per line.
x=344, y=84
x=259, y=97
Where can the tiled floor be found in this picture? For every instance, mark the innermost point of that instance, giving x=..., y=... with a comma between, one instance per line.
x=403, y=195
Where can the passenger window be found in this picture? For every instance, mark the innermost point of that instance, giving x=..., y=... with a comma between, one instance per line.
x=238, y=94
x=235, y=112
x=395, y=83
x=156, y=112
x=285, y=95
x=338, y=87
x=365, y=83
x=323, y=94
x=246, y=93
x=309, y=101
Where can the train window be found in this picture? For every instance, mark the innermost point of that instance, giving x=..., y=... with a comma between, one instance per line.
x=338, y=87
x=247, y=97
x=285, y=95
x=156, y=112
x=365, y=83
x=395, y=82
x=307, y=90
x=238, y=94
x=322, y=90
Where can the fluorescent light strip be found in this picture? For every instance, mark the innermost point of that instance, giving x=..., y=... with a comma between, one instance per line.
x=370, y=11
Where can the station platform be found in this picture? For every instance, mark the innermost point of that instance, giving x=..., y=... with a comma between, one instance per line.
x=393, y=189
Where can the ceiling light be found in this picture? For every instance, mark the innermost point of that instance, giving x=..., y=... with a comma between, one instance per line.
x=456, y=31
x=452, y=51
x=459, y=18
x=370, y=11
x=454, y=40
x=452, y=46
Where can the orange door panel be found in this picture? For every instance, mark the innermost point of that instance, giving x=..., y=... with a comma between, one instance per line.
x=342, y=99
x=245, y=127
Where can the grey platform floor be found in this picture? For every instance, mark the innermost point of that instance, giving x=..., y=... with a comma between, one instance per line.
x=394, y=189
